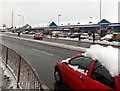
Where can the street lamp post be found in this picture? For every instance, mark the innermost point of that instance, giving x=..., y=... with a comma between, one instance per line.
x=91, y=23
x=58, y=19
x=90, y=27
x=100, y=10
x=22, y=19
x=12, y=18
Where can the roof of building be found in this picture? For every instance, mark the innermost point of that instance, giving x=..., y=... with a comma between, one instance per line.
x=53, y=24
x=103, y=21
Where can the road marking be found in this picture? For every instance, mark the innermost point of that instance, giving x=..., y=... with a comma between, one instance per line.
x=43, y=52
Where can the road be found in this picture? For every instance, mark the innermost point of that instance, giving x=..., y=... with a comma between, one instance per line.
x=42, y=57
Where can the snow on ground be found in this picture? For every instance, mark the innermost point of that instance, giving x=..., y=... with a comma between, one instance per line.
x=7, y=81
x=108, y=56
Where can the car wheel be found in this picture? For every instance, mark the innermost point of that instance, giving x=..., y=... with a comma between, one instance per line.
x=57, y=76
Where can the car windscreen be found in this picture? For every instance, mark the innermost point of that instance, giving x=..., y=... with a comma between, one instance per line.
x=82, y=62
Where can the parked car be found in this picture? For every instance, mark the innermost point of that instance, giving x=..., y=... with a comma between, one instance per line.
x=108, y=37
x=31, y=32
x=38, y=36
x=74, y=35
x=26, y=32
x=62, y=35
x=97, y=37
x=80, y=72
x=68, y=35
x=84, y=36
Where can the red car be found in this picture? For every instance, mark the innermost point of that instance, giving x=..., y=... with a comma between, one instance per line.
x=80, y=72
x=38, y=36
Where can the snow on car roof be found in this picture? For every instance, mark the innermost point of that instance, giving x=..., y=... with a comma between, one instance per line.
x=107, y=56
x=107, y=36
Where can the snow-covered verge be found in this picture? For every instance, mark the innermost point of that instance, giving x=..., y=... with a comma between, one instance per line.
x=107, y=56
x=7, y=81
x=104, y=42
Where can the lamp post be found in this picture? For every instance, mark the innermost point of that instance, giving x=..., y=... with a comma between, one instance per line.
x=91, y=23
x=12, y=19
x=22, y=19
x=100, y=10
x=90, y=27
x=58, y=19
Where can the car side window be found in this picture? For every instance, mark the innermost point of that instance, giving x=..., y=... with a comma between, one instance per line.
x=101, y=74
x=83, y=64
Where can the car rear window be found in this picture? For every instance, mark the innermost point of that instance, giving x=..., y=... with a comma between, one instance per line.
x=101, y=74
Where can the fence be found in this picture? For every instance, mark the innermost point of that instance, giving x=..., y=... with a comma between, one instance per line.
x=25, y=75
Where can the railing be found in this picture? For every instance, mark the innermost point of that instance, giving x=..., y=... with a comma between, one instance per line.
x=25, y=75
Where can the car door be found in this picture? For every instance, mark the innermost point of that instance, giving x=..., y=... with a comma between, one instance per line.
x=100, y=78
x=75, y=73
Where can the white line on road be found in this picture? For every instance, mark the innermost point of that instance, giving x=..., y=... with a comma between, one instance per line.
x=43, y=52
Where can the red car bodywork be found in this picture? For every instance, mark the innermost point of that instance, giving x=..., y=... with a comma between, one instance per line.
x=38, y=37
x=72, y=78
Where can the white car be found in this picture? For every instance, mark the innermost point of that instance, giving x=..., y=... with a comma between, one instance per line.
x=84, y=36
x=31, y=32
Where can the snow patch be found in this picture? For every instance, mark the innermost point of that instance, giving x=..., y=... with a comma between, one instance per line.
x=76, y=68
x=107, y=56
x=66, y=60
x=107, y=36
x=8, y=81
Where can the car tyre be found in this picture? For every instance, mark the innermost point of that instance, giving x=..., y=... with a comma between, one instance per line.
x=57, y=76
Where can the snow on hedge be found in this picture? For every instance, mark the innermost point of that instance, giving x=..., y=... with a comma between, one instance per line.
x=107, y=56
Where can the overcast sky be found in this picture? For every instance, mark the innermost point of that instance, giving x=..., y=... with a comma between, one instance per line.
x=43, y=12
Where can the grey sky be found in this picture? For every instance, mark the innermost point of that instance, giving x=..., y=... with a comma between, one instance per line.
x=42, y=13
